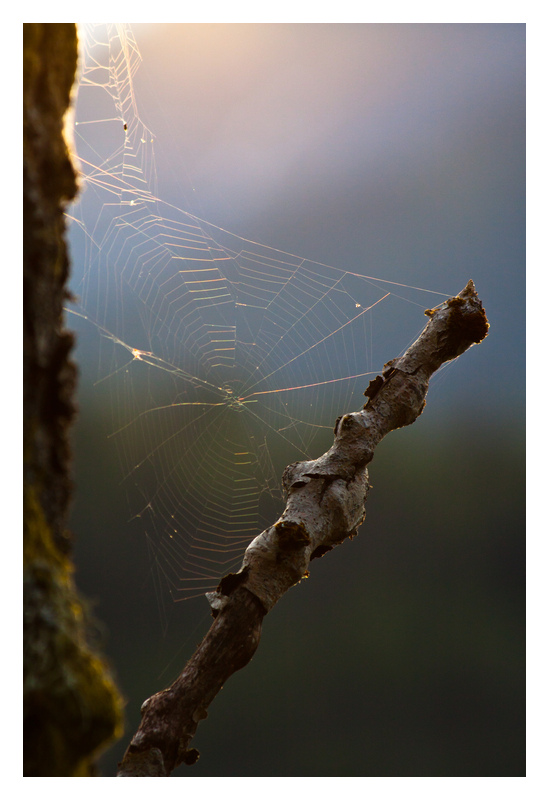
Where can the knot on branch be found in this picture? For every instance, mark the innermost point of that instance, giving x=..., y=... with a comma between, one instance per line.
x=291, y=535
x=295, y=476
x=188, y=757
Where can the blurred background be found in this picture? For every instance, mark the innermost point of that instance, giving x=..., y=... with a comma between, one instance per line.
x=390, y=150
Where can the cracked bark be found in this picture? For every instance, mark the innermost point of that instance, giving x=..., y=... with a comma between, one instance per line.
x=325, y=505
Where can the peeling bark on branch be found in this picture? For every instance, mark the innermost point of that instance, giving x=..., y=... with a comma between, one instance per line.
x=325, y=505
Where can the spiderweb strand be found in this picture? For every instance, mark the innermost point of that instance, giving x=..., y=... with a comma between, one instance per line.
x=225, y=359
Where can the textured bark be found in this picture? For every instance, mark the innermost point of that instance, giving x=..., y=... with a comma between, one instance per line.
x=71, y=707
x=325, y=505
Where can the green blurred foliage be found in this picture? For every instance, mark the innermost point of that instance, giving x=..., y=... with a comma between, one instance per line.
x=402, y=655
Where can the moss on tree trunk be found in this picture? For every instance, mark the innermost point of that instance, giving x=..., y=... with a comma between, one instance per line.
x=71, y=705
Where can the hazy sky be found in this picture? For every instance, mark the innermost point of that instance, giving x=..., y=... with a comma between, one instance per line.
x=393, y=150
x=258, y=116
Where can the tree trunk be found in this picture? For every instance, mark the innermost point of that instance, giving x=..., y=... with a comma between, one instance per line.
x=71, y=706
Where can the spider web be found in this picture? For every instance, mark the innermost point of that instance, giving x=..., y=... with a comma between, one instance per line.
x=225, y=359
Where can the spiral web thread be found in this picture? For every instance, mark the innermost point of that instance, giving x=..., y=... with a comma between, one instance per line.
x=225, y=359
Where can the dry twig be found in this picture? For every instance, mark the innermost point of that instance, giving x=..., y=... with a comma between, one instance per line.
x=325, y=505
